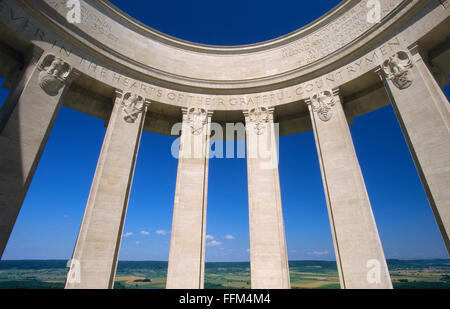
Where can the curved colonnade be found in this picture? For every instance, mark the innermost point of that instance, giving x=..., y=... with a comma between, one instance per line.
x=317, y=78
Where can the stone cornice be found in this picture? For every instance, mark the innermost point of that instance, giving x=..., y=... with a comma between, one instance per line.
x=238, y=49
x=216, y=58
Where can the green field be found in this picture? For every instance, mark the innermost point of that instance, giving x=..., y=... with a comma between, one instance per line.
x=406, y=274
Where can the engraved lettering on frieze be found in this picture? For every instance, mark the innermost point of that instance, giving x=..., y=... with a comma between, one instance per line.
x=97, y=23
x=132, y=106
x=322, y=104
x=54, y=73
x=338, y=33
x=260, y=117
x=397, y=69
x=197, y=118
x=89, y=17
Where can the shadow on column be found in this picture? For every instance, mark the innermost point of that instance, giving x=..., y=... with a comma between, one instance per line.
x=11, y=176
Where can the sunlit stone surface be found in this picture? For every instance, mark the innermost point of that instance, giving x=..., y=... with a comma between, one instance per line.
x=347, y=63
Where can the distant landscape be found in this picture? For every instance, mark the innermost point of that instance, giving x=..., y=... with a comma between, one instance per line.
x=406, y=274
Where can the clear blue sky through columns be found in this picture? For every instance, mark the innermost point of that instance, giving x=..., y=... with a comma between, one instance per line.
x=51, y=215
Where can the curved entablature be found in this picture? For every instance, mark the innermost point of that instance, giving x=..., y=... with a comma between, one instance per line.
x=304, y=52
x=318, y=78
x=111, y=50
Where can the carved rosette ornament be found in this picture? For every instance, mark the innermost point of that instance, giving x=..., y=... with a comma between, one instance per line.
x=260, y=117
x=197, y=118
x=132, y=106
x=54, y=74
x=396, y=69
x=322, y=104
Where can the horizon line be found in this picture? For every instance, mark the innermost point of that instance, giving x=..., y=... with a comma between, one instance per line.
x=161, y=261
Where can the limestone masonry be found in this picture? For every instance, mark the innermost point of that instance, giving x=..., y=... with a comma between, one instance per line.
x=317, y=78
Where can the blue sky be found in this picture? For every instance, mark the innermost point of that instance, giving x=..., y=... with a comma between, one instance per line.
x=48, y=224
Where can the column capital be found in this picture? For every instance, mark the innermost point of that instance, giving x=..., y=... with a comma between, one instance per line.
x=197, y=118
x=323, y=102
x=396, y=68
x=55, y=73
x=335, y=92
x=132, y=105
x=259, y=117
x=147, y=102
x=260, y=109
x=118, y=94
x=379, y=71
x=187, y=110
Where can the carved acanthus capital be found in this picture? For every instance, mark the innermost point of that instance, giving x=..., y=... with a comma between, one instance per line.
x=322, y=103
x=397, y=69
x=54, y=74
x=260, y=117
x=197, y=118
x=132, y=106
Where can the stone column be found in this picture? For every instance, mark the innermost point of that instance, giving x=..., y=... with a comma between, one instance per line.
x=268, y=253
x=423, y=112
x=96, y=253
x=359, y=254
x=187, y=246
x=31, y=61
x=25, y=134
